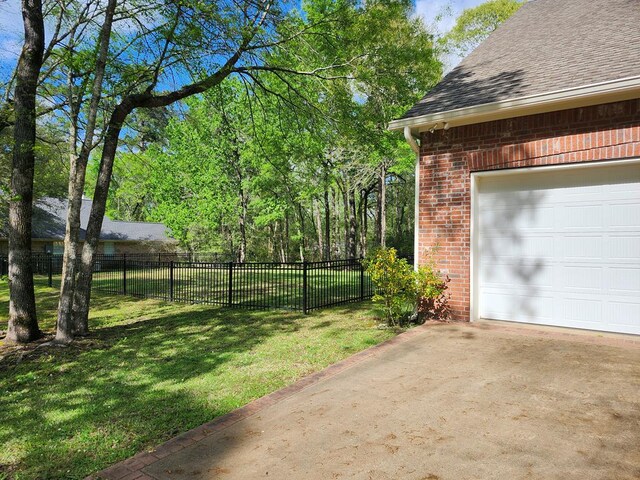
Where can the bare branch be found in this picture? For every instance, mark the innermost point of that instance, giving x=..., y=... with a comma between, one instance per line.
x=316, y=72
x=169, y=39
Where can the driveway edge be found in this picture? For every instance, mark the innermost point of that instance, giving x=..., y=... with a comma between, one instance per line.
x=131, y=469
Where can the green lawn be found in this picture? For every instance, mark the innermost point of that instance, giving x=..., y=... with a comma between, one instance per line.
x=151, y=370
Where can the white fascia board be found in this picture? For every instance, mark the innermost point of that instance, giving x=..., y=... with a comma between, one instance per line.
x=594, y=94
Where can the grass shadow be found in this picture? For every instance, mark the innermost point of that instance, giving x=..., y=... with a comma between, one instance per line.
x=150, y=370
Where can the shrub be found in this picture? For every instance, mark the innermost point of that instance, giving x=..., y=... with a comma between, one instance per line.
x=394, y=284
x=432, y=299
x=403, y=292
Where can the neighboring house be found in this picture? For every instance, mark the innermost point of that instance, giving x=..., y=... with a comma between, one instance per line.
x=528, y=177
x=116, y=237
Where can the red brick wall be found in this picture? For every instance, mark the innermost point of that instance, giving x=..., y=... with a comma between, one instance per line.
x=447, y=158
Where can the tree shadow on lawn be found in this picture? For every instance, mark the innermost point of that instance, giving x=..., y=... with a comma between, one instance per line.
x=71, y=411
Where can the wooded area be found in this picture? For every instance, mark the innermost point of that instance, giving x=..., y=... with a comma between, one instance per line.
x=250, y=127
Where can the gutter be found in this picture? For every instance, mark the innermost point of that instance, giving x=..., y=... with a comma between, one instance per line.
x=594, y=94
x=411, y=140
x=416, y=213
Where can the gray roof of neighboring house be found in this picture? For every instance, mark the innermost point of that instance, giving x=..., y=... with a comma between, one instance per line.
x=49, y=220
x=547, y=45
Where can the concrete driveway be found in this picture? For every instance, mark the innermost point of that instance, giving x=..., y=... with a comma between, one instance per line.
x=482, y=401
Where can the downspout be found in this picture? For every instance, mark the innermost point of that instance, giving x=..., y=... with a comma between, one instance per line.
x=416, y=148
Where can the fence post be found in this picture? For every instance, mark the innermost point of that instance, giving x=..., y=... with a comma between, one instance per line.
x=171, y=281
x=124, y=273
x=305, y=305
x=361, y=279
x=50, y=270
x=230, y=284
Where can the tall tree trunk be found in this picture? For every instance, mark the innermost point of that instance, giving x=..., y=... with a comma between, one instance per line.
x=336, y=224
x=352, y=247
x=64, y=322
x=82, y=294
x=381, y=217
x=345, y=209
x=232, y=247
x=23, y=322
x=77, y=172
x=286, y=237
x=378, y=214
x=242, y=257
x=270, y=242
x=301, y=233
x=364, y=221
x=318, y=223
x=401, y=209
x=283, y=255
x=326, y=253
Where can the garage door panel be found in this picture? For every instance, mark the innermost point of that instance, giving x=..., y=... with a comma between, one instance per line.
x=501, y=248
x=561, y=247
x=580, y=247
x=625, y=316
x=583, y=218
x=624, y=216
x=523, y=307
x=576, y=309
x=530, y=275
x=582, y=279
x=624, y=280
x=623, y=188
x=624, y=247
x=498, y=219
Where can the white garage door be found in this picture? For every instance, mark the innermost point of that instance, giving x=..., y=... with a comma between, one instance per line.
x=561, y=247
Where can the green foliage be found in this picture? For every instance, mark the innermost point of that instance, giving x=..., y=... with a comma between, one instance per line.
x=403, y=291
x=50, y=175
x=475, y=24
x=432, y=300
x=285, y=147
x=289, y=148
x=394, y=283
x=197, y=183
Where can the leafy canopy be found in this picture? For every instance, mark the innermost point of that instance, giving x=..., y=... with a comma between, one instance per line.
x=477, y=23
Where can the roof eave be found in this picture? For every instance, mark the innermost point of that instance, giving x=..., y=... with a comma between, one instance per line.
x=594, y=94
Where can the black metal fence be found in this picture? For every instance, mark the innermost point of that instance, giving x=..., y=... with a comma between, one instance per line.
x=303, y=286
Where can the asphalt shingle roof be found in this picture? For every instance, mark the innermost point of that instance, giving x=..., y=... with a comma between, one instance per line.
x=49, y=220
x=547, y=45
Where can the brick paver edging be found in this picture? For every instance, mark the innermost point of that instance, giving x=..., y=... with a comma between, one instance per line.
x=131, y=469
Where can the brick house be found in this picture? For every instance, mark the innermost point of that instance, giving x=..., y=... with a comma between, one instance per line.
x=116, y=237
x=528, y=172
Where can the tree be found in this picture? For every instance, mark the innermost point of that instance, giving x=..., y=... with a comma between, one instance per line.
x=199, y=181
x=78, y=159
x=50, y=172
x=222, y=40
x=312, y=151
x=23, y=323
x=334, y=74
x=475, y=24
x=31, y=100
